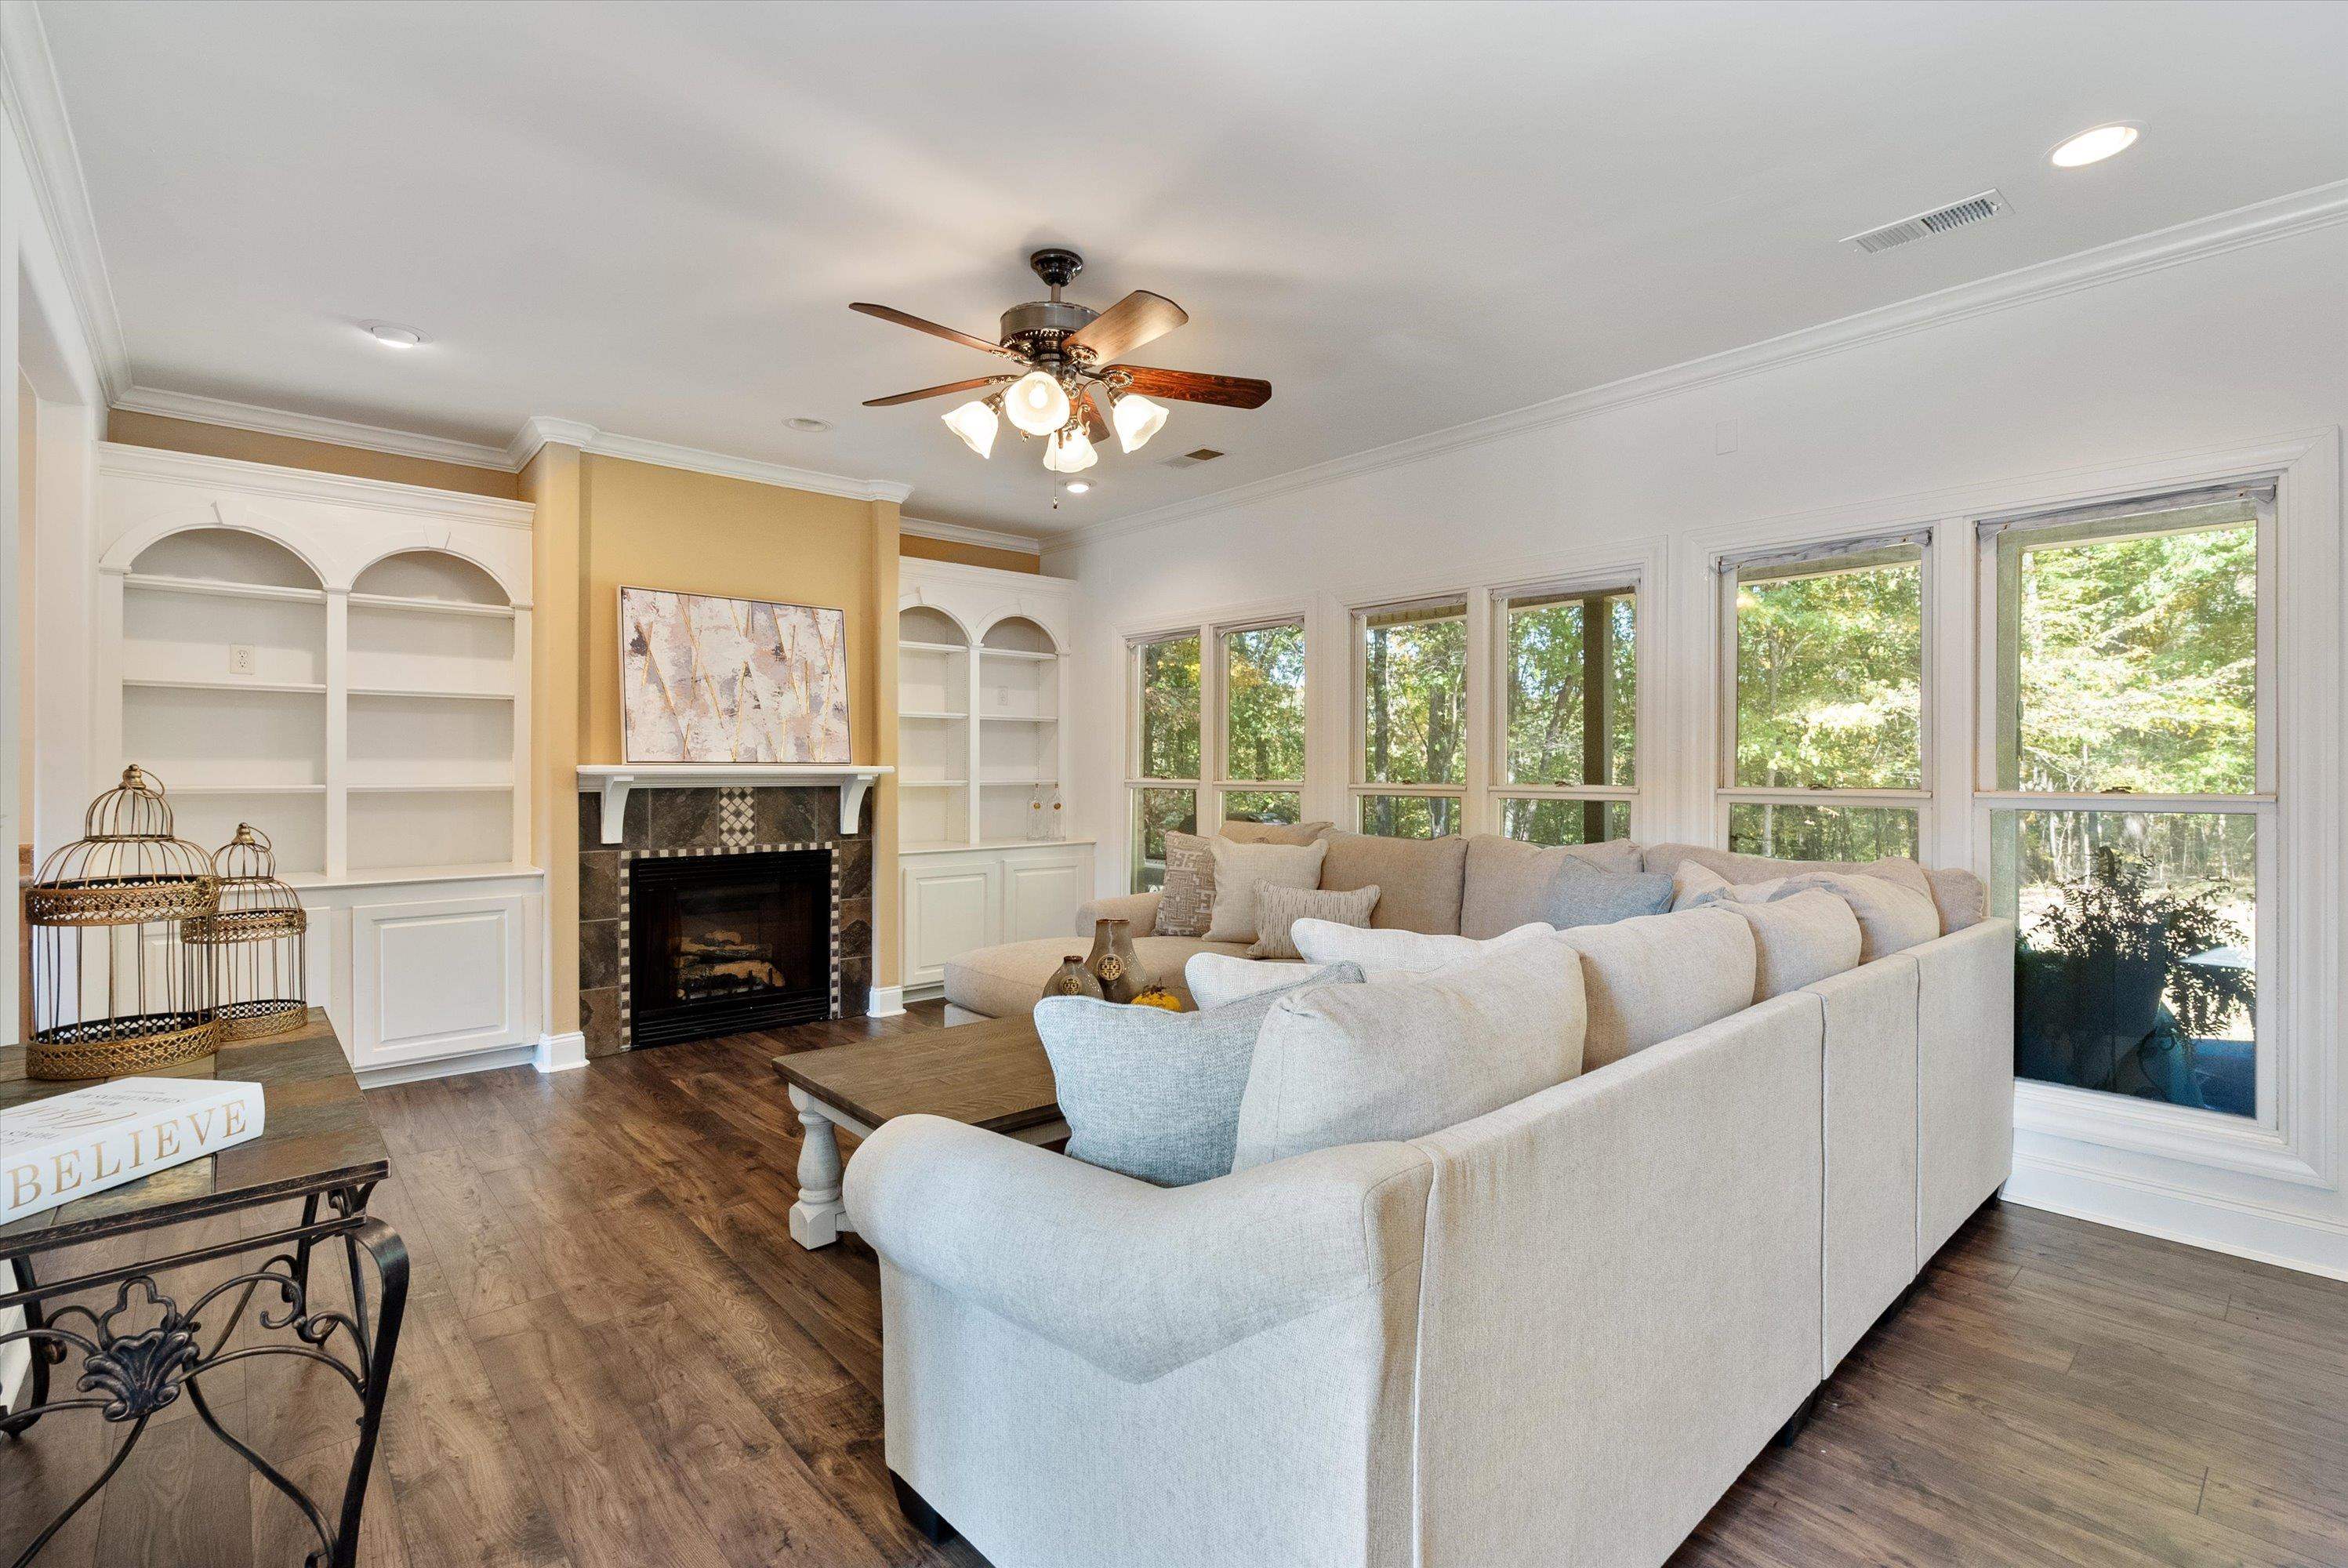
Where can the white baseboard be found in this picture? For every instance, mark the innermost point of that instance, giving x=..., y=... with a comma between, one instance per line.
x=561, y=1053
x=2261, y=1236
x=449, y=1067
x=886, y=1002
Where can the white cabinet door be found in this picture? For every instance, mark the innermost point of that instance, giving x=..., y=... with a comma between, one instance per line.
x=951, y=907
x=1040, y=896
x=439, y=978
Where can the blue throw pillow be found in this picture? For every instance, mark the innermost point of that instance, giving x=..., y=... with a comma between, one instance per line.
x=1582, y=894
x=1155, y=1094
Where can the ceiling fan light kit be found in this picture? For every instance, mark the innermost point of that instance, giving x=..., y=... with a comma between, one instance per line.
x=1070, y=353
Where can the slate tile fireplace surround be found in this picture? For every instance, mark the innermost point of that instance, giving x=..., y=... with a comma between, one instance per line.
x=664, y=826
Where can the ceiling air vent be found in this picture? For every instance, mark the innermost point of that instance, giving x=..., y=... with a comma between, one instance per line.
x=1924, y=225
x=1192, y=458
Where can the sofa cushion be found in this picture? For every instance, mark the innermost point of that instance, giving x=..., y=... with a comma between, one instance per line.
x=1957, y=895
x=1274, y=832
x=1186, y=903
x=1352, y=1064
x=1891, y=917
x=1418, y=879
x=1384, y=955
x=1004, y=981
x=1507, y=882
x=1219, y=979
x=1582, y=894
x=1694, y=883
x=1279, y=908
x=1152, y=1094
x=1798, y=941
x=1242, y=870
x=1660, y=975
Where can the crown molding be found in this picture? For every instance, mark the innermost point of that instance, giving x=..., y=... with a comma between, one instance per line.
x=540, y=429
x=960, y=534
x=2319, y=207
x=37, y=110
x=309, y=427
x=210, y=473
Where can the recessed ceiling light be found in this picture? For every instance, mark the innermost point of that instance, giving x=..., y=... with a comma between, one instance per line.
x=1077, y=487
x=807, y=427
x=392, y=336
x=2093, y=146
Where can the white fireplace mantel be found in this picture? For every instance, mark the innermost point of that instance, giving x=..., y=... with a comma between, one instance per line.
x=614, y=781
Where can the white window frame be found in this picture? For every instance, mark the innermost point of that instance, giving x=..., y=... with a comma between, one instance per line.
x=1493, y=789
x=1474, y=607
x=1727, y=793
x=1135, y=781
x=2208, y=1136
x=1214, y=706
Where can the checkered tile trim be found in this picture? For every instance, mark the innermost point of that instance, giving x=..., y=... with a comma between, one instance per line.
x=627, y=881
x=737, y=818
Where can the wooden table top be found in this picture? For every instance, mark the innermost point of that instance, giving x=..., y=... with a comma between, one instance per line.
x=992, y=1073
x=316, y=1135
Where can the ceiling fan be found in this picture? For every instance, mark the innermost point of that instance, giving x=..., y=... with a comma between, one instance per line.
x=1071, y=355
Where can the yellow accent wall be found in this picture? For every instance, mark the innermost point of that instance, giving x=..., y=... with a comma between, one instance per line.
x=136, y=429
x=961, y=554
x=552, y=484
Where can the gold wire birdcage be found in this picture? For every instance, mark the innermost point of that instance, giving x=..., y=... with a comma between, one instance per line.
x=258, y=938
x=115, y=987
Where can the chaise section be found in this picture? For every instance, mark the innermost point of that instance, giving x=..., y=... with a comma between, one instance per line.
x=1965, y=1144
x=1870, y=1145
x=1620, y=1296
x=1084, y=1371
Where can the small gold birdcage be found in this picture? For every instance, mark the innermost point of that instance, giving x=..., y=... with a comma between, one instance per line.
x=258, y=938
x=115, y=988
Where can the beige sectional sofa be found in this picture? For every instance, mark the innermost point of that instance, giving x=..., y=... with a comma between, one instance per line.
x=1552, y=1334
x=1476, y=887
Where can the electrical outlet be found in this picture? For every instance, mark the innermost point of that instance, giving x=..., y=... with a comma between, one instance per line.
x=241, y=660
x=1002, y=696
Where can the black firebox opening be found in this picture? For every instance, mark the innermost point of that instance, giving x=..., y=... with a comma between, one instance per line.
x=721, y=944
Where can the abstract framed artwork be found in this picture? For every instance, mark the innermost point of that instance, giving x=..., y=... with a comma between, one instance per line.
x=709, y=679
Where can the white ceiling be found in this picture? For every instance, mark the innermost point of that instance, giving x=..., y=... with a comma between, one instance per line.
x=651, y=217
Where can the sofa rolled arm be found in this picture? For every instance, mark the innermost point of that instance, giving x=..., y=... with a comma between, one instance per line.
x=1137, y=1280
x=1141, y=908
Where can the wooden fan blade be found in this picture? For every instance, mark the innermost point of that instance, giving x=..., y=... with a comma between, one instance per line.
x=886, y=313
x=932, y=392
x=1193, y=386
x=1095, y=427
x=1126, y=326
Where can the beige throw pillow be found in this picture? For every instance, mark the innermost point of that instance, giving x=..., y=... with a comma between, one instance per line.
x=1390, y=954
x=1277, y=909
x=1275, y=832
x=1186, y=905
x=1240, y=868
x=1655, y=976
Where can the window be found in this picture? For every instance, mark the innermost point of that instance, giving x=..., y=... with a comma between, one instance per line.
x=2124, y=761
x=1262, y=778
x=1824, y=682
x=1413, y=769
x=1567, y=765
x=1164, y=787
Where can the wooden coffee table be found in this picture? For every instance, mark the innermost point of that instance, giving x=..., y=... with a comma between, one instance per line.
x=990, y=1073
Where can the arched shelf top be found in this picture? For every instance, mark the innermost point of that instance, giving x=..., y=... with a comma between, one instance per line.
x=429, y=572
x=929, y=624
x=215, y=552
x=1018, y=634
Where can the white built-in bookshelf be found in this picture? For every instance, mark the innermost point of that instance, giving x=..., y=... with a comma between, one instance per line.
x=978, y=729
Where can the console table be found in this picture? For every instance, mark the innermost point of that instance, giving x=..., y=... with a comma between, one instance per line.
x=134, y=1348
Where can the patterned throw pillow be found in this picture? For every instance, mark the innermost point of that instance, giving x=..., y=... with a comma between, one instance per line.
x=1279, y=908
x=1187, y=905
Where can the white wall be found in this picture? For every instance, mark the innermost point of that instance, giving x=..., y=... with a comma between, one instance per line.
x=2066, y=381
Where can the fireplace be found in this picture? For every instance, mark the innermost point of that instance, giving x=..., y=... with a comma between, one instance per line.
x=718, y=944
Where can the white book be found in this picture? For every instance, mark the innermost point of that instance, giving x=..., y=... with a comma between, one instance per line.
x=72, y=1145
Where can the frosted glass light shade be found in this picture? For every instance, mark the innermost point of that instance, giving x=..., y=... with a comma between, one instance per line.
x=1136, y=419
x=1037, y=403
x=1070, y=452
x=975, y=423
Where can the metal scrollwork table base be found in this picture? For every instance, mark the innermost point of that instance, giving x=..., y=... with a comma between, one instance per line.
x=123, y=1343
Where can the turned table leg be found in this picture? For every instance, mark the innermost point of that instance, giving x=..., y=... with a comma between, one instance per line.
x=819, y=1217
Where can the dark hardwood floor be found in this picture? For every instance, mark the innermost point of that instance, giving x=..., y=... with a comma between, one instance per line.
x=616, y=1357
